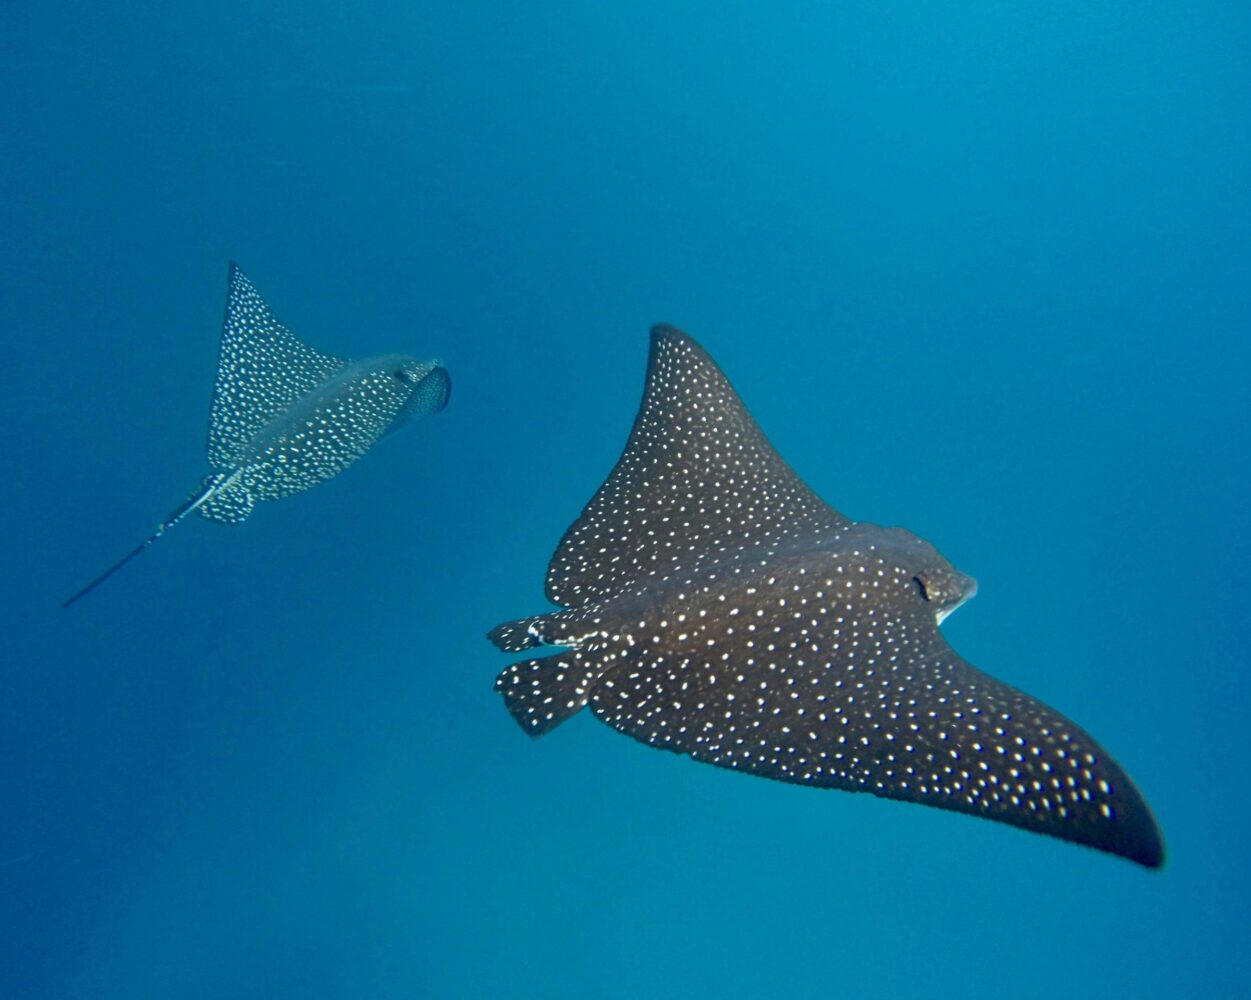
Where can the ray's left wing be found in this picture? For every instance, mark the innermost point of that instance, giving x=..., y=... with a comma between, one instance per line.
x=263, y=369
x=698, y=482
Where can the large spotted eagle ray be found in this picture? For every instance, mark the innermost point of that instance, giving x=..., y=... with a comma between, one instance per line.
x=286, y=416
x=715, y=606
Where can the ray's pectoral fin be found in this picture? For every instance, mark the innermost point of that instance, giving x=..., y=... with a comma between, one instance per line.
x=263, y=369
x=698, y=481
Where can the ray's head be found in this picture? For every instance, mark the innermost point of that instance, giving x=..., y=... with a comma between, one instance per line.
x=428, y=384
x=942, y=586
x=929, y=579
x=404, y=367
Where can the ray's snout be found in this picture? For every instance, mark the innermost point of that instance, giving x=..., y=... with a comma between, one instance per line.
x=965, y=588
x=945, y=587
x=968, y=586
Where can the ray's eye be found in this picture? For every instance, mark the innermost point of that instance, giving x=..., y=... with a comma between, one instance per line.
x=920, y=581
x=400, y=375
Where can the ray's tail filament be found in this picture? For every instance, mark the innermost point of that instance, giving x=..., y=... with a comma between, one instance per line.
x=196, y=499
x=114, y=568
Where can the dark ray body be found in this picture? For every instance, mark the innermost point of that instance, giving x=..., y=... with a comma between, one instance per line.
x=286, y=416
x=716, y=607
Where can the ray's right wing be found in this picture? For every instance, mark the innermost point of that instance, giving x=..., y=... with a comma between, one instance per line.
x=886, y=707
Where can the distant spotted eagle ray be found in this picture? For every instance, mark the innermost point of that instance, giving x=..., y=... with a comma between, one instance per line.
x=715, y=606
x=286, y=416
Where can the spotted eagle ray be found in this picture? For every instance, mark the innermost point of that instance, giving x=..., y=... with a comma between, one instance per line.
x=715, y=606
x=286, y=416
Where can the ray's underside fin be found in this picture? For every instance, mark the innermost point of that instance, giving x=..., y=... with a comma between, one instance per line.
x=541, y=694
x=229, y=500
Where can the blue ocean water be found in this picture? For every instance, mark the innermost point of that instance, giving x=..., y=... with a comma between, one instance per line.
x=980, y=270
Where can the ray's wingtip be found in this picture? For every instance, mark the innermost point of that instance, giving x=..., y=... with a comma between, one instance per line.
x=1151, y=854
x=666, y=335
x=236, y=279
x=666, y=331
x=1141, y=840
x=236, y=276
x=1151, y=858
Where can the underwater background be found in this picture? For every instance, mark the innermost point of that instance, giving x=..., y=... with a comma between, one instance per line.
x=981, y=270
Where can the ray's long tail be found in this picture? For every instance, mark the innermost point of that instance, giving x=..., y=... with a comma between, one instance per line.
x=212, y=485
